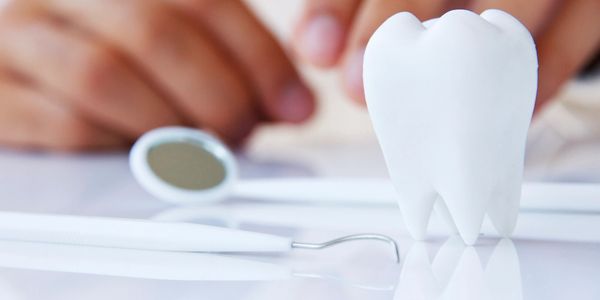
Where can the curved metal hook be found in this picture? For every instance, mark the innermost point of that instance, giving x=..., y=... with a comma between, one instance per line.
x=353, y=237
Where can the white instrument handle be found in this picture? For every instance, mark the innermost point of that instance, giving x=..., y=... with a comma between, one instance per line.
x=568, y=197
x=135, y=234
x=318, y=190
x=162, y=265
x=363, y=191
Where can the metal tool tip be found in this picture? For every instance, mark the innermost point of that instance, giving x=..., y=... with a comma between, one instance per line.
x=353, y=237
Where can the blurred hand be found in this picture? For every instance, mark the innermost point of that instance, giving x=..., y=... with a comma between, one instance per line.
x=78, y=74
x=567, y=33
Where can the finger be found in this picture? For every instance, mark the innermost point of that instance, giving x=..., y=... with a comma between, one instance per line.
x=534, y=14
x=368, y=20
x=174, y=54
x=321, y=34
x=281, y=93
x=84, y=75
x=567, y=45
x=30, y=119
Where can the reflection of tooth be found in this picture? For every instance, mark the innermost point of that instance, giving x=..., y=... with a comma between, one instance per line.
x=457, y=273
x=467, y=280
x=417, y=280
x=451, y=101
x=503, y=275
x=447, y=258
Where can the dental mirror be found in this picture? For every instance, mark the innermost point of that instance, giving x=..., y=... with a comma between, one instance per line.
x=183, y=165
x=188, y=166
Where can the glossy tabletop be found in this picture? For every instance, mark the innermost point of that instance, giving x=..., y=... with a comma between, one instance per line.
x=560, y=266
x=552, y=256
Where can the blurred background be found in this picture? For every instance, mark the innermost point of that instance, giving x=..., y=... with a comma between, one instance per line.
x=563, y=145
x=564, y=140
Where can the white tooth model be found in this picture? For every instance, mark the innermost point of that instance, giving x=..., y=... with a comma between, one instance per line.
x=451, y=101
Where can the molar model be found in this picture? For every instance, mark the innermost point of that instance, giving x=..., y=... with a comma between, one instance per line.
x=451, y=101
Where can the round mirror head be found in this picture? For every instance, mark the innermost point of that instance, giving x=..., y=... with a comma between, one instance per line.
x=182, y=165
x=186, y=165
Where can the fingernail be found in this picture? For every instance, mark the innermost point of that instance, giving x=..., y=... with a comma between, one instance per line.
x=353, y=76
x=321, y=39
x=296, y=103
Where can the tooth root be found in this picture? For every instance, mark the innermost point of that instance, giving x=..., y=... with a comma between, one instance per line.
x=456, y=120
x=416, y=204
x=442, y=212
x=503, y=210
x=467, y=207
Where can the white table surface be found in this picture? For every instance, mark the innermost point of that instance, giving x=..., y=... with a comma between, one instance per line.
x=101, y=185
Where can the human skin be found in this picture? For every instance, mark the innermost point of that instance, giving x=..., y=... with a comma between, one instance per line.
x=335, y=32
x=89, y=74
x=95, y=74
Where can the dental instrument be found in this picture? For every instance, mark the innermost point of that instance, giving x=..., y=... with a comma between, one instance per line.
x=188, y=166
x=533, y=225
x=153, y=235
x=134, y=263
x=158, y=265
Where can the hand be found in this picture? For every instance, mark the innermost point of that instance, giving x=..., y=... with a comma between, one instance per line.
x=567, y=33
x=98, y=73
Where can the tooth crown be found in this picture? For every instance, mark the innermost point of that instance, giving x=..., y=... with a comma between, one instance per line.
x=451, y=100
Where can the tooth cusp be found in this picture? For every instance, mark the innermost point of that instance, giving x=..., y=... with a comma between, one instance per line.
x=451, y=100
